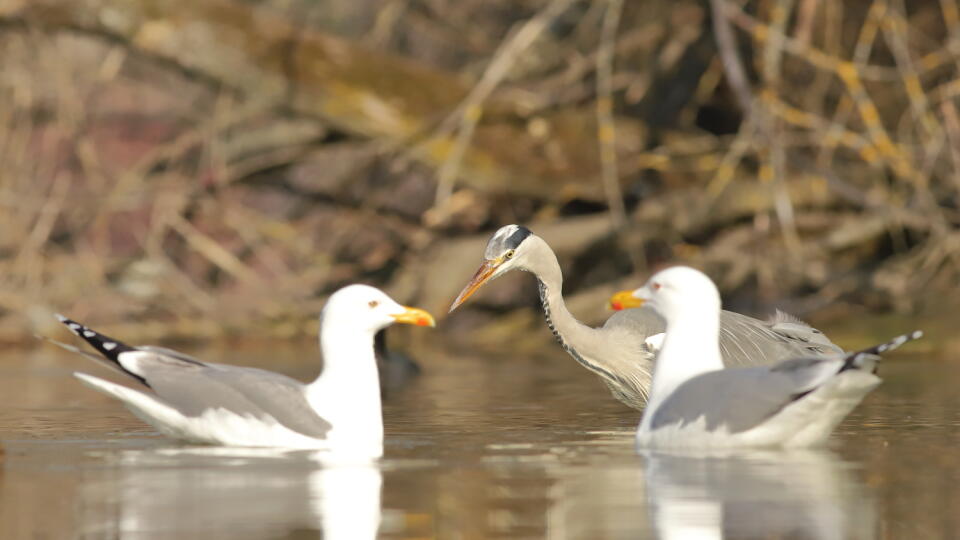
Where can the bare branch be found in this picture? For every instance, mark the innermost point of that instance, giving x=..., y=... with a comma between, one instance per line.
x=606, y=130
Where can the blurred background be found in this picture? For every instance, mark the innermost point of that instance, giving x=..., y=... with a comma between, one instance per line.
x=216, y=168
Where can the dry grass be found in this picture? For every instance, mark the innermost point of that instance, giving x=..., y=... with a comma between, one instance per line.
x=134, y=190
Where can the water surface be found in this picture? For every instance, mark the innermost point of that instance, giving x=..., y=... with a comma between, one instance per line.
x=481, y=446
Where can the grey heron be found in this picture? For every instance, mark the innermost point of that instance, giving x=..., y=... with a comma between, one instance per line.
x=695, y=402
x=622, y=351
x=210, y=403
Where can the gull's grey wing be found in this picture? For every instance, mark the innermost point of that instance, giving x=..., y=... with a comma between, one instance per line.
x=192, y=387
x=172, y=353
x=742, y=398
x=745, y=341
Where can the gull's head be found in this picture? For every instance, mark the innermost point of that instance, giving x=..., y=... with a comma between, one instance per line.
x=507, y=250
x=678, y=293
x=370, y=309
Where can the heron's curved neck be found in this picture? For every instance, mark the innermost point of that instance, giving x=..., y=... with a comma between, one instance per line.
x=581, y=341
x=565, y=327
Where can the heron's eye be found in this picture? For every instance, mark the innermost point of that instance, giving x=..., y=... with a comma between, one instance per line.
x=509, y=254
x=373, y=304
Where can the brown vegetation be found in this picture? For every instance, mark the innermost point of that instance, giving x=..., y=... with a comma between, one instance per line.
x=195, y=168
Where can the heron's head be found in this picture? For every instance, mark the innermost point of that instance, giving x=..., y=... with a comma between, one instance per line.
x=368, y=308
x=678, y=293
x=506, y=250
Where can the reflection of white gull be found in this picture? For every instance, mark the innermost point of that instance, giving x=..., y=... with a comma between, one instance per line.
x=347, y=499
x=695, y=402
x=239, y=406
x=795, y=494
x=233, y=493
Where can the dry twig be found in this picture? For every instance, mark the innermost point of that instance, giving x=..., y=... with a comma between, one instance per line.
x=469, y=112
x=606, y=130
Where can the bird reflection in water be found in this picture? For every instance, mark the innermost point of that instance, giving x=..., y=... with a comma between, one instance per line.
x=396, y=369
x=795, y=494
x=236, y=493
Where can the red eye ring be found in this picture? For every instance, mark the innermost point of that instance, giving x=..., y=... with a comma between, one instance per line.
x=656, y=286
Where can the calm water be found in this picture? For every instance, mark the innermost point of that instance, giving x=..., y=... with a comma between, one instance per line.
x=477, y=447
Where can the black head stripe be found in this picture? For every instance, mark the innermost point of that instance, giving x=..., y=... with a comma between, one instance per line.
x=513, y=241
x=506, y=238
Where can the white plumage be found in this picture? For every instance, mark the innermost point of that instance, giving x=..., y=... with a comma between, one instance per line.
x=209, y=403
x=695, y=402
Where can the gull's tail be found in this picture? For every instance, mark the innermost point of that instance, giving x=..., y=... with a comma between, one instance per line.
x=855, y=360
x=110, y=348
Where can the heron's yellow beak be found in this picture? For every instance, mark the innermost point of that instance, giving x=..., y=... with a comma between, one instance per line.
x=417, y=316
x=624, y=300
x=483, y=274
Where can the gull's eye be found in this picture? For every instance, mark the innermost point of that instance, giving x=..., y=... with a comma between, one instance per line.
x=373, y=304
x=509, y=254
x=655, y=286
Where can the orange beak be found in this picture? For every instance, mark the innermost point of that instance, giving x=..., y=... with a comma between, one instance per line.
x=482, y=275
x=416, y=316
x=624, y=300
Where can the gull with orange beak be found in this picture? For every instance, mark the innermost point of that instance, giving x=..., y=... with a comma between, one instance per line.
x=208, y=403
x=695, y=402
x=622, y=351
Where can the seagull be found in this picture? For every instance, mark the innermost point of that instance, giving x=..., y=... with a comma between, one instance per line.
x=622, y=351
x=695, y=402
x=207, y=403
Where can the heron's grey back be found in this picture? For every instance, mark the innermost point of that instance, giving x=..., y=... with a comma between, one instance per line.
x=745, y=341
x=641, y=322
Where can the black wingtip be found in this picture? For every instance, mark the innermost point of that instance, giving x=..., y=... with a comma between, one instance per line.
x=852, y=359
x=105, y=345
